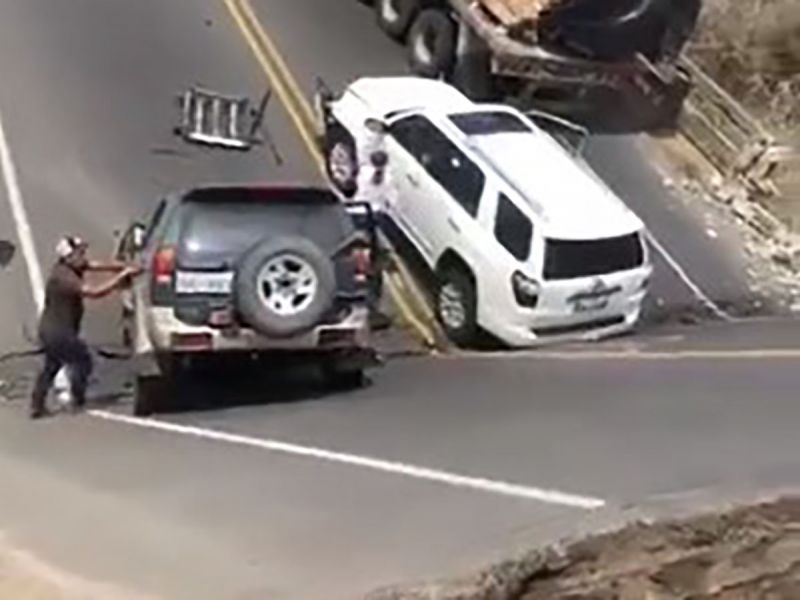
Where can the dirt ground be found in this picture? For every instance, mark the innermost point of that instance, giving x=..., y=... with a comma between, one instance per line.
x=750, y=553
x=752, y=47
x=24, y=576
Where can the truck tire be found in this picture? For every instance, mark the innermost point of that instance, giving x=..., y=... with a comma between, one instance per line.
x=679, y=29
x=619, y=30
x=457, y=307
x=284, y=286
x=472, y=66
x=341, y=159
x=432, y=44
x=395, y=16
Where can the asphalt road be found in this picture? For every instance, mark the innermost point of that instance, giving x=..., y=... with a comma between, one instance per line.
x=274, y=487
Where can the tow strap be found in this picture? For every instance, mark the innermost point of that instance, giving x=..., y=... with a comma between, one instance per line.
x=37, y=350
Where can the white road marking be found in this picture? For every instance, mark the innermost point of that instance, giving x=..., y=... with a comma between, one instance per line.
x=693, y=287
x=20, y=216
x=25, y=235
x=375, y=464
x=631, y=355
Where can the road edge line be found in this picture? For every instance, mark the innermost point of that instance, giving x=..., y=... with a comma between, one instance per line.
x=698, y=292
x=501, y=488
x=20, y=216
x=634, y=355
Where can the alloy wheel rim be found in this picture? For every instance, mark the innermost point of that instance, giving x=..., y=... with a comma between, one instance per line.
x=287, y=284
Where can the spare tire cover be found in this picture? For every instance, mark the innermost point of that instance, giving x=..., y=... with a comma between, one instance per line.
x=284, y=286
x=616, y=30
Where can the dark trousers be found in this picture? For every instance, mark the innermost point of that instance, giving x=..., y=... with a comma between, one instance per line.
x=60, y=351
x=379, y=258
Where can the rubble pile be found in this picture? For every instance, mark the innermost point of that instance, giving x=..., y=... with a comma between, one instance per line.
x=752, y=48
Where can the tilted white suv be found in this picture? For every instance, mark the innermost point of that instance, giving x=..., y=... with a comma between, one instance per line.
x=526, y=241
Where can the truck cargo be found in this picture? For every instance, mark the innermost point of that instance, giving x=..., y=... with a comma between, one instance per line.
x=565, y=56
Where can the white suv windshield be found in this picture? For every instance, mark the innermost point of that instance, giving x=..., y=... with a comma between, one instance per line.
x=571, y=259
x=488, y=123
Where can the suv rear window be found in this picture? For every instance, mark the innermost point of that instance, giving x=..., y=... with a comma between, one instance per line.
x=215, y=235
x=487, y=123
x=570, y=259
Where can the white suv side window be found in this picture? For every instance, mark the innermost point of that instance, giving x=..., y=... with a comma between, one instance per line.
x=513, y=229
x=442, y=159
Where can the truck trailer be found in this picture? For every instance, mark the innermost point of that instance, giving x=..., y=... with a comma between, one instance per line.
x=564, y=56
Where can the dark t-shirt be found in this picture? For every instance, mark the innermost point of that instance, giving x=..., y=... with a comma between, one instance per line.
x=63, y=303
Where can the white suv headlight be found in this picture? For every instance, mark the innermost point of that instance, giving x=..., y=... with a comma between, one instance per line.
x=526, y=290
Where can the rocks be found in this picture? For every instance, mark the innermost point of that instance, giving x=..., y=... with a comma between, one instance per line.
x=748, y=552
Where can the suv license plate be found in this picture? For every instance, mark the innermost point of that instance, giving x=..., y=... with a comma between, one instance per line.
x=203, y=283
x=590, y=304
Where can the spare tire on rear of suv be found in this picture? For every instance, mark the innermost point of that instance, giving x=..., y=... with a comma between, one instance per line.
x=284, y=286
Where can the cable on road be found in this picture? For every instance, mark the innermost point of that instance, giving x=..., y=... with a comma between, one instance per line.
x=37, y=350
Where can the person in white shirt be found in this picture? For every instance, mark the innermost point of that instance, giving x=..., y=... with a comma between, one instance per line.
x=374, y=187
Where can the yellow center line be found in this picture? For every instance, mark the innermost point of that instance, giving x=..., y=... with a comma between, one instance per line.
x=272, y=51
x=278, y=75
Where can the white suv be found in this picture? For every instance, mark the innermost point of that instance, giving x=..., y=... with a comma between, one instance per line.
x=526, y=241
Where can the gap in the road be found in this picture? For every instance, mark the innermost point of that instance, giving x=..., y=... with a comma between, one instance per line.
x=456, y=480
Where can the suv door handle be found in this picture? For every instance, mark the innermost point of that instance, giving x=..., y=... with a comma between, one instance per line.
x=453, y=225
x=412, y=180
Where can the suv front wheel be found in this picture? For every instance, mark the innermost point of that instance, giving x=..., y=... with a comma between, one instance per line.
x=457, y=307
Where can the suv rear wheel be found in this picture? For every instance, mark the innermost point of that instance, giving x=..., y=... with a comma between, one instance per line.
x=340, y=159
x=456, y=307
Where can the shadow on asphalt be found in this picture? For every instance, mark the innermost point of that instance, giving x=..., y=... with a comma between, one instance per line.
x=225, y=386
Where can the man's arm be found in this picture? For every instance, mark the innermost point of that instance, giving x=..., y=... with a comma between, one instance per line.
x=110, y=266
x=104, y=289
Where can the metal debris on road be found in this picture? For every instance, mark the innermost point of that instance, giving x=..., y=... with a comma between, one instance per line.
x=225, y=121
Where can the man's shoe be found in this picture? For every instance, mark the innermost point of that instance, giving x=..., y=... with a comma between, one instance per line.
x=39, y=413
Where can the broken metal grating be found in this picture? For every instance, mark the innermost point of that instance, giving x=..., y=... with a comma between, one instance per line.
x=216, y=119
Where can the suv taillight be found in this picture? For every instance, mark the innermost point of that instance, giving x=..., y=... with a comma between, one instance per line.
x=163, y=270
x=362, y=263
x=164, y=265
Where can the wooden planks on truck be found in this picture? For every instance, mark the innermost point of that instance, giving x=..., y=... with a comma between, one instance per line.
x=512, y=12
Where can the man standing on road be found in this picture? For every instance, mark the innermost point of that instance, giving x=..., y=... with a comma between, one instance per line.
x=60, y=322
